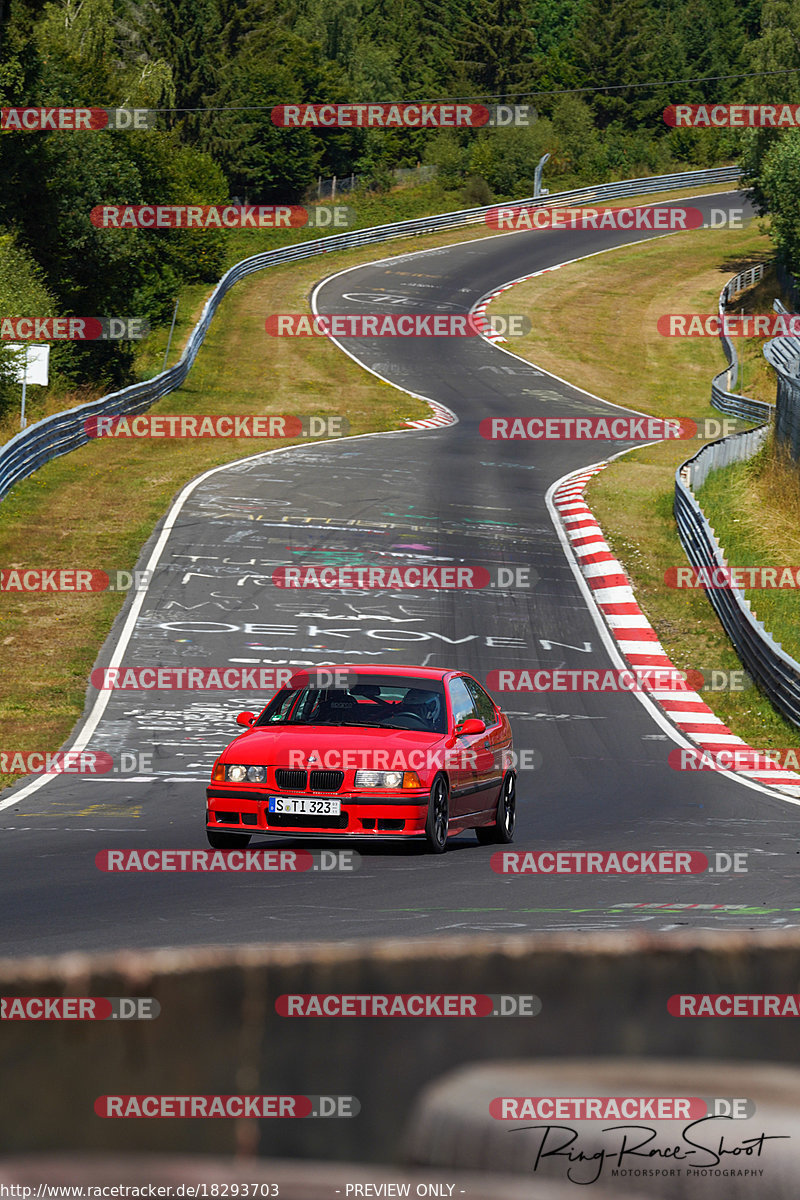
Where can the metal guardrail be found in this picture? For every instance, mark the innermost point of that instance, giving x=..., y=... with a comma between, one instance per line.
x=63, y=432
x=775, y=671
x=722, y=397
x=788, y=284
x=783, y=353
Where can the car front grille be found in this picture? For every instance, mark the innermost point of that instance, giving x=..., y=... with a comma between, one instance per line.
x=317, y=781
x=304, y=821
x=326, y=781
x=290, y=781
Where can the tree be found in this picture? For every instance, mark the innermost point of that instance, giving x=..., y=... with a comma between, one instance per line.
x=22, y=294
x=501, y=46
x=187, y=34
x=780, y=184
x=577, y=144
x=507, y=158
x=618, y=44
x=776, y=49
x=261, y=160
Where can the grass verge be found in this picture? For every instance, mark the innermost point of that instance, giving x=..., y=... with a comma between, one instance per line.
x=754, y=509
x=400, y=204
x=97, y=506
x=594, y=323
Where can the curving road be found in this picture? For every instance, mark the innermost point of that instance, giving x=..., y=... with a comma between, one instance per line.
x=601, y=779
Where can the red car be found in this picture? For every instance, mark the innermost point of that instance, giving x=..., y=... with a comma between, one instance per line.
x=389, y=752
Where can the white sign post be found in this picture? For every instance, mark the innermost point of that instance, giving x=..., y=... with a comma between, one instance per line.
x=30, y=367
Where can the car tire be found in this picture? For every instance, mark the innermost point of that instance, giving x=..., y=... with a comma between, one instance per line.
x=227, y=841
x=438, y=818
x=502, y=831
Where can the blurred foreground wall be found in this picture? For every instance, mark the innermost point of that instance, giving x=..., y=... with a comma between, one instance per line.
x=218, y=1032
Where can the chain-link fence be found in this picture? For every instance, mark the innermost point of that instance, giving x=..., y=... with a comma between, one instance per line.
x=333, y=186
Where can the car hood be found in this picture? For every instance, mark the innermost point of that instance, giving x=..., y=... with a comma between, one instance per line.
x=280, y=747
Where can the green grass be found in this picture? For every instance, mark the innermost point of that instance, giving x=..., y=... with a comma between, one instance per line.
x=403, y=203
x=753, y=508
x=594, y=323
x=97, y=506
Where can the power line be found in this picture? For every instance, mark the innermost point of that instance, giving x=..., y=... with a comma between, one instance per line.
x=604, y=87
x=612, y=87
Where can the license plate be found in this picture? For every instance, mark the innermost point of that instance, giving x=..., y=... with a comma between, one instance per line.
x=305, y=806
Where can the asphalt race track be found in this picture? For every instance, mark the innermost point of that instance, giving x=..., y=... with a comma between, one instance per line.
x=601, y=777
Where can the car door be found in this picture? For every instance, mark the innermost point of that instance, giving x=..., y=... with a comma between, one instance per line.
x=493, y=746
x=463, y=758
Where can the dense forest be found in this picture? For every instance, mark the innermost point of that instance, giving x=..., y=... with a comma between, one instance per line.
x=596, y=73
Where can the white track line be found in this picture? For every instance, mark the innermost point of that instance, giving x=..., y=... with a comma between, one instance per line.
x=93, y=718
x=687, y=710
x=91, y=721
x=442, y=415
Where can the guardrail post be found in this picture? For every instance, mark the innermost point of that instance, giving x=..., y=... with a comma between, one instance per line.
x=537, y=176
x=169, y=339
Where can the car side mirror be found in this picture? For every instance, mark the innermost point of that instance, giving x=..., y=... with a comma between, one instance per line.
x=470, y=726
x=245, y=718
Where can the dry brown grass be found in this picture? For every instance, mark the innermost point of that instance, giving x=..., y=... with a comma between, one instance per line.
x=594, y=323
x=97, y=506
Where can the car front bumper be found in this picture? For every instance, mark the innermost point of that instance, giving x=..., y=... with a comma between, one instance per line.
x=245, y=810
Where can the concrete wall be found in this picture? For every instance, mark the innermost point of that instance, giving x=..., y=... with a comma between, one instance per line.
x=602, y=995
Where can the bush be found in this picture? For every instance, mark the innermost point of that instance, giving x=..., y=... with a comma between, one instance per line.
x=475, y=192
x=507, y=158
x=22, y=294
x=780, y=183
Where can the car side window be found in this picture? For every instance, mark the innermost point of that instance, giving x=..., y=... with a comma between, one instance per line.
x=280, y=707
x=483, y=704
x=461, y=702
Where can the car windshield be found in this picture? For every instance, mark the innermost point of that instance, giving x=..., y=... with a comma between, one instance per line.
x=391, y=703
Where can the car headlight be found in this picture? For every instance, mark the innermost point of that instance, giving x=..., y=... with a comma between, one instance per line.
x=379, y=779
x=238, y=773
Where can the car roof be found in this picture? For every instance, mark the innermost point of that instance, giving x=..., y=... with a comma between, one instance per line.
x=439, y=673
